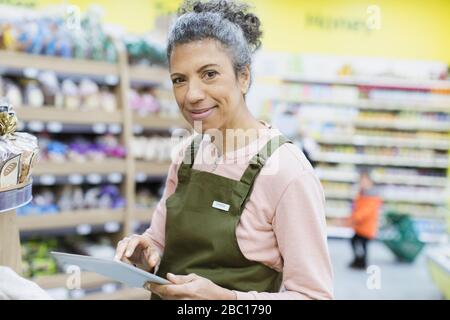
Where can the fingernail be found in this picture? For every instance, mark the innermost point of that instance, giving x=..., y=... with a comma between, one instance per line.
x=128, y=253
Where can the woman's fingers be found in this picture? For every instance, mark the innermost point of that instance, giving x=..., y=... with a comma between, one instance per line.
x=154, y=257
x=121, y=247
x=137, y=249
x=135, y=242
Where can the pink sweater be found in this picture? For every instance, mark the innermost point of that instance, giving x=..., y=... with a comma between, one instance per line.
x=283, y=224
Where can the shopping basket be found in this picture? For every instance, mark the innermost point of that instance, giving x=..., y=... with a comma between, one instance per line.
x=400, y=236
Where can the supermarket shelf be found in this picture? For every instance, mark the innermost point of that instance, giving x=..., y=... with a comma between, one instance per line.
x=19, y=60
x=380, y=82
x=339, y=232
x=413, y=199
x=340, y=213
x=72, y=219
x=77, y=179
x=88, y=280
x=361, y=159
x=70, y=168
x=385, y=142
x=122, y=294
x=411, y=180
x=151, y=168
x=144, y=215
x=403, y=179
x=158, y=122
x=437, y=126
x=365, y=104
x=149, y=75
x=53, y=114
x=412, y=125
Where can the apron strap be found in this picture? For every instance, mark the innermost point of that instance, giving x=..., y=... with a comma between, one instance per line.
x=258, y=161
x=189, y=156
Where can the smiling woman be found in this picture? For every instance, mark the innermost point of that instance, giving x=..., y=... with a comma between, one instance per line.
x=253, y=225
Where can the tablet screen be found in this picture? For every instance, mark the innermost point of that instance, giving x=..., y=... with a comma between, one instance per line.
x=117, y=270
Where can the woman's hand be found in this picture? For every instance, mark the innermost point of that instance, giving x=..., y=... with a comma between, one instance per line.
x=190, y=287
x=139, y=251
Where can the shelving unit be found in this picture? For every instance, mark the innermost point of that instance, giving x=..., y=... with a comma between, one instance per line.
x=88, y=280
x=355, y=122
x=72, y=219
x=123, y=171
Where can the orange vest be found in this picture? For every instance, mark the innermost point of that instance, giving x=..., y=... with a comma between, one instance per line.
x=365, y=215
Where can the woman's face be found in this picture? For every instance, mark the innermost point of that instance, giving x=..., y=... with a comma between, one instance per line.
x=205, y=85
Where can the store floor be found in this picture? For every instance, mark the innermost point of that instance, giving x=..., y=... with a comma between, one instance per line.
x=397, y=280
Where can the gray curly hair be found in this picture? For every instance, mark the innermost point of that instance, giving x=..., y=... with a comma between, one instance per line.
x=223, y=20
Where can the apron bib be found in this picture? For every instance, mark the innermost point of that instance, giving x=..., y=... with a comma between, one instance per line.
x=202, y=216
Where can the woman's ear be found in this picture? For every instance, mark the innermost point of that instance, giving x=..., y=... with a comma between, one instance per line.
x=244, y=80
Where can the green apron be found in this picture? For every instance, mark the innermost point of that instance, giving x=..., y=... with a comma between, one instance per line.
x=202, y=216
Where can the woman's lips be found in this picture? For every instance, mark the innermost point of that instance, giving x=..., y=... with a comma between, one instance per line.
x=201, y=114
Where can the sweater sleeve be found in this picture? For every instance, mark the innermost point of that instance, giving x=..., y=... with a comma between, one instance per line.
x=300, y=228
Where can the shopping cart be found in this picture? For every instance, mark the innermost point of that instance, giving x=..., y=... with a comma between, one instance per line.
x=399, y=234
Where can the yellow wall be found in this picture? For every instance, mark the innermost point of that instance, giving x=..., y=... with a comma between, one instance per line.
x=409, y=29
x=414, y=29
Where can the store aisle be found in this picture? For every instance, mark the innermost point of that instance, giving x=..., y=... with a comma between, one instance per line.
x=398, y=280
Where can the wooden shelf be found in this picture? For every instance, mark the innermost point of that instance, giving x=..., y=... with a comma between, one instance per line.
x=123, y=294
x=68, y=168
x=20, y=60
x=144, y=215
x=53, y=114
x=149, y=75
x=152, y=168
x=88, y=280
x=69, y=219
x=159, y=122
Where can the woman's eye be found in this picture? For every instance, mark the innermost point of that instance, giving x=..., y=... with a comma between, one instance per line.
x=177, y=81
x=210, y=74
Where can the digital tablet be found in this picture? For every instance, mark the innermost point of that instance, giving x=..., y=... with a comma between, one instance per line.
x=117, y=270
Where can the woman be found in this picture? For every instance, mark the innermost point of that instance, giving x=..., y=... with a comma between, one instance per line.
x=242, y=215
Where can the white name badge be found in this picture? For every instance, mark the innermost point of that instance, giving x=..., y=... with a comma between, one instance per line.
x=221, y=206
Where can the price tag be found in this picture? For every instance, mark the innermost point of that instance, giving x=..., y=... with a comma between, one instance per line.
x=54, y=127
x=141, y=177
x=135, y=225
x=84, y=229
x=47, y=179
x=115, y=128
x=112, y=227
x=111, y=80
x=94, y=178
x=115, y=177
x=137, y=129
x=31, y=73
x=99, y=128
x=37, y=126
x=75, y=179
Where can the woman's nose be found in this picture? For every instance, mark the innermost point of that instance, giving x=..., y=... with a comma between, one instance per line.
x=195, y=93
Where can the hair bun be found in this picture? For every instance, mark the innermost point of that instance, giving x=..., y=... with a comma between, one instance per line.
x=233, y=11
